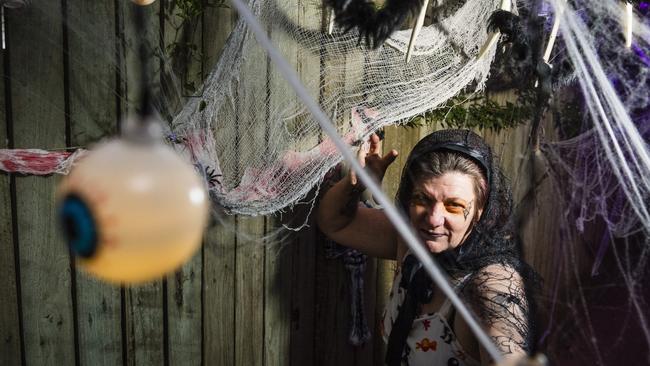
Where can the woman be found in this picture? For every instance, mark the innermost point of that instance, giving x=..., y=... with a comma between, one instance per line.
x=459, y=204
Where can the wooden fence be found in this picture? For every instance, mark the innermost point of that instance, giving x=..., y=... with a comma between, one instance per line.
x=238, y=301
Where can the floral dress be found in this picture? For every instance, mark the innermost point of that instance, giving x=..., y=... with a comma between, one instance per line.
x=431, y=340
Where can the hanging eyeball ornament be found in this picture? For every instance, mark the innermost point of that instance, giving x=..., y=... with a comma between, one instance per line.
x=133, y=210
x=143, y=2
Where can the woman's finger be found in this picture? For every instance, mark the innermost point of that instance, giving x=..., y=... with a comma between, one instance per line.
x=375, y=145
x=389, y=158
x=353, y=177
x=361, y=158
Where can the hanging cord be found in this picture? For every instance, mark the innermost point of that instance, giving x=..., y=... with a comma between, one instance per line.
x=145, y=109
x=142, y=128
x=395, y=217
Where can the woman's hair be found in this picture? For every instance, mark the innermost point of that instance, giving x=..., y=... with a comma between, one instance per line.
x=437, y=163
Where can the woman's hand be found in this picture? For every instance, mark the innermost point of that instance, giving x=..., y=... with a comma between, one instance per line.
x=372, y=160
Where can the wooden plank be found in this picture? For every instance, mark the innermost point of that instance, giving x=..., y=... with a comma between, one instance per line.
x=144, y=322
x=93, y=115
x=303, y=300
x=277, y=304
x=144, y=316
x=303, y=245
x=251, y=134
x=92, y=63
x=332, y=303
x=220, y=241
x=182, y=43
x=249, y=292
x=37, y=96
x=183, y=34
x=184, y=313
x=218, y=22
x=218, y=293
x=9, y=316
x=279, y=256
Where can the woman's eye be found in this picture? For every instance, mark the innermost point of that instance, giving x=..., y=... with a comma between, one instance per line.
x=454, y=207
x=419, y=200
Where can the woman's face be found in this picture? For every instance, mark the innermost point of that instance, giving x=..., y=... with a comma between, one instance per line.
x=442, y=210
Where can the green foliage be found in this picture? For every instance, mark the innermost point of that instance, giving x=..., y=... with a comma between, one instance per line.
x=183, y=16
x=479, y=111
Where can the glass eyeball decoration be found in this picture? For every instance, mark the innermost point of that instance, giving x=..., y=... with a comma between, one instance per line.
x=132, y=211
x=143, y=2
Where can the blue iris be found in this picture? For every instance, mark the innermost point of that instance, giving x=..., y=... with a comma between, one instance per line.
x=78, y=225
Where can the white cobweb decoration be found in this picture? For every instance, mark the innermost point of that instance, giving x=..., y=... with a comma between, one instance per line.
x=262, y=141
x=604, y=178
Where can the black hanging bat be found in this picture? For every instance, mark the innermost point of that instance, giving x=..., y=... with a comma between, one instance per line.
x=375, y=26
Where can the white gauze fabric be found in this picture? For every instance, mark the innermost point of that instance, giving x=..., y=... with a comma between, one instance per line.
x=264, y=147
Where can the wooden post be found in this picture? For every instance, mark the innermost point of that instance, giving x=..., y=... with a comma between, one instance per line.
x=249, y=256
x=219, y=241
x=144, y=304
x=184, y=307
x=38, y=105
x=278, y=286
x=10, y=334
x=92, y=65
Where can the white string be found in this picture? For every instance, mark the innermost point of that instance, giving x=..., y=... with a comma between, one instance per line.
x=391, y=212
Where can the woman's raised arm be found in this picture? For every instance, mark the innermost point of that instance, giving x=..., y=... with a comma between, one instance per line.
x=342, y=219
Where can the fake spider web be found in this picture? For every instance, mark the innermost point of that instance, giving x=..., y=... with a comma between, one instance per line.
x=602, y=176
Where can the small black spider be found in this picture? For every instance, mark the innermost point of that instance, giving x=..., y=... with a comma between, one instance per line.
x=175, y=139
x=211, y=176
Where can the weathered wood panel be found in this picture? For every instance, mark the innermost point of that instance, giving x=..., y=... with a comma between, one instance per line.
x=277, y=298
x=302, y=245
x=184, y=306
x=93, y=115
x=278, y=257
x=144, y=315
x=249, y=256
x=38, y=105
x=249, y=292
x=303, y=290
x=219, y=294
x=184, y=311
x=219, y=241
x=10, y=336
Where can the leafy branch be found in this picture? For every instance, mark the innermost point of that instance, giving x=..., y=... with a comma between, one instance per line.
x=479, y=111
x=184, y=16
